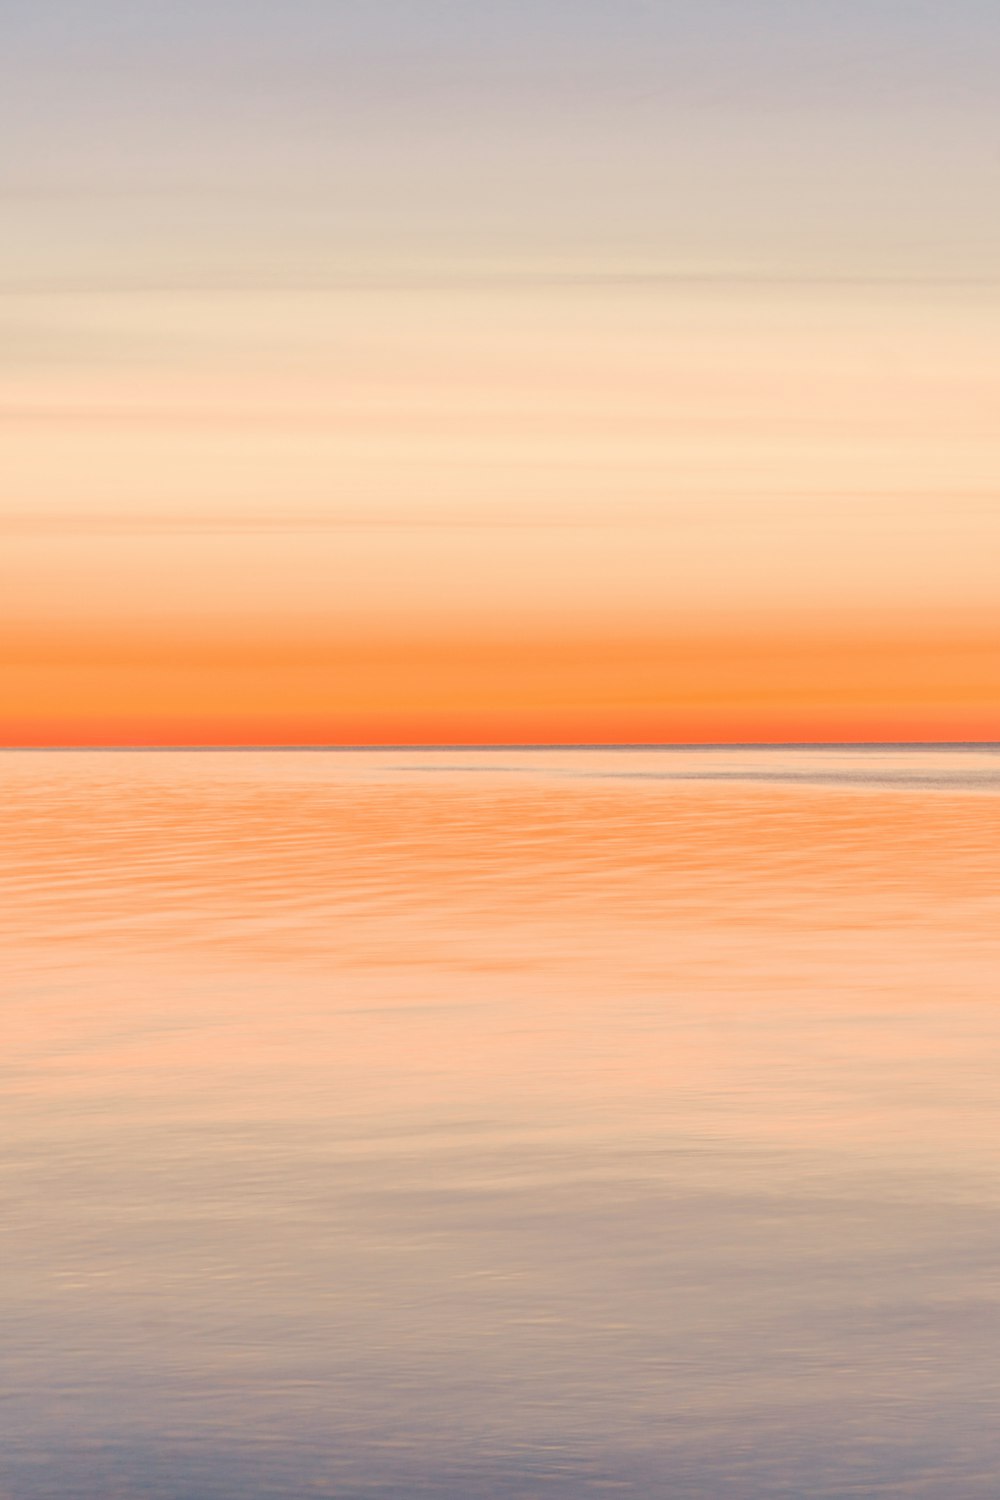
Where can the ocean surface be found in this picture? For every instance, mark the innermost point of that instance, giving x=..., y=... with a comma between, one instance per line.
x=500, y=1124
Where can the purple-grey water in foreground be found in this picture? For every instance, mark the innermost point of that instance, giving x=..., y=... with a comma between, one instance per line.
x=495, y=1125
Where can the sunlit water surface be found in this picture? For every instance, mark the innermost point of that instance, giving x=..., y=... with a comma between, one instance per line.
x=501, y=1124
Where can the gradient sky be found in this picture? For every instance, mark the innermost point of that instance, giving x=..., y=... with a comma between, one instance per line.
x=439, y=370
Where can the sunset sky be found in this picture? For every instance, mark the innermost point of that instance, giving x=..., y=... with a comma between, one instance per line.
x=435, y=370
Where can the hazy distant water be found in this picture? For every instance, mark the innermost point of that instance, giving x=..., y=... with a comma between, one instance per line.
x=501, y=1124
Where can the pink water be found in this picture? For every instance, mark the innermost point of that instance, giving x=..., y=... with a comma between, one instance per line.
x=491, y=1125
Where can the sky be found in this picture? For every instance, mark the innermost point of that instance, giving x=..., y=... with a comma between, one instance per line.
x=433, y=370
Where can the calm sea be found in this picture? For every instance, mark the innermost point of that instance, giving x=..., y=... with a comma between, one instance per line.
x=501, y=1124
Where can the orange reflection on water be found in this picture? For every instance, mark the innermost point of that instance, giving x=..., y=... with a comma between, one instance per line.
x=496, y=926
x=363, y=1094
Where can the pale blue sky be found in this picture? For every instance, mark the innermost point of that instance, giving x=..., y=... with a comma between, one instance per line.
x=284, y=142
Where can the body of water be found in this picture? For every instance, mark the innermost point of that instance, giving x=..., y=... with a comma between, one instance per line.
x=491, y=1125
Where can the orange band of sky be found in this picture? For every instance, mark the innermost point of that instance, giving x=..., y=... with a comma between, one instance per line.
x=138, y=687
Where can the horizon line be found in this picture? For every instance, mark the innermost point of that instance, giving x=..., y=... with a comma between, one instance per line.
x=548, y=745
